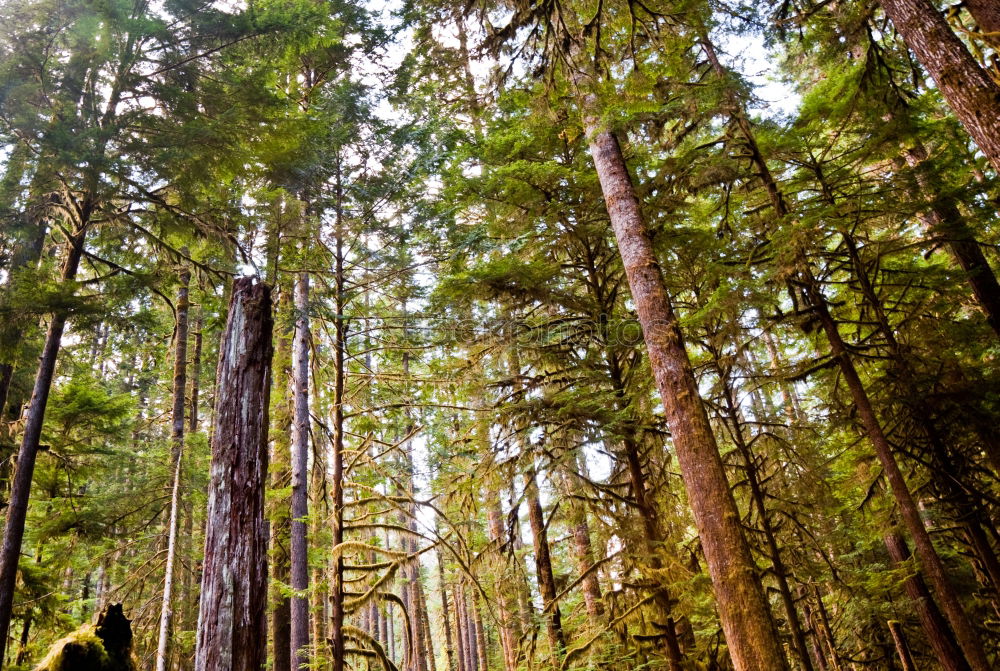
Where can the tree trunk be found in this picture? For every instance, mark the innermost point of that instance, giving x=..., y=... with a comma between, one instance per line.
x=232, y=620
x=280, y=474
x=986, y=14
x=477, y=618
x=337, y=455
x=902, y=648
x=507, y=622
x=930, y=562
x=944, y=220
x=443, y=587
x=751, y=634
x=460, y=629
x=17, y=510
x=543, y=567
x=582, y=549
x=967, y=88
x=176, y=451
x=931, y=621
x=300, y=472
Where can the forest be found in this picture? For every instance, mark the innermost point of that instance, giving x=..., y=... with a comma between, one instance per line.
x=499, y=335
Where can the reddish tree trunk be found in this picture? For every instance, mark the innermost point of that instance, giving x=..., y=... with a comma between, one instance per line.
x=543, y=566
x=442, y=585
x=933, y=623
x=17, y=510
x=751, y=635
x=969, y=91
x=232, y=620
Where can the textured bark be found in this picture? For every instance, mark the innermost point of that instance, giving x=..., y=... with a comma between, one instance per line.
x=751, y=635
x=17, y=510
x=299, y=625
x=543, y=566
x=967, y=88
x=232, y=620
x=931, y=621
x=176, y=451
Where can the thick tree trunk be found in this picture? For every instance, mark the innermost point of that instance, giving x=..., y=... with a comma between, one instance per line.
x=543, y=566
x=751, y=635
x=232, y=620
x=477, y=618
x=17, y=510
x=176, y=463
x=968, y=89
x=300, y=472
x=931, y=621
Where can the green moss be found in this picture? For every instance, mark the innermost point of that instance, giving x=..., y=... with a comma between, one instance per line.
x=82, y=650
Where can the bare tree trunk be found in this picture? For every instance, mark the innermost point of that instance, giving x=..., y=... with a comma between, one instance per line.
x=902, y=648
x=543, y=566
x=300, y=472
x=232, y=620
x=750, y=631
x=176, y=467
x=969, y=91
x=17, y=510
x=931, y=621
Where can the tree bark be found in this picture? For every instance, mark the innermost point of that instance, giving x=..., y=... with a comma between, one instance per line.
x=902, y=648
x=931, y=621
x=750, y=632
x=232, y=620
x=17, y=510
x=967, y=88
x=176, y=463
x=543, y=567
x=337, y=455
x=299, y=624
